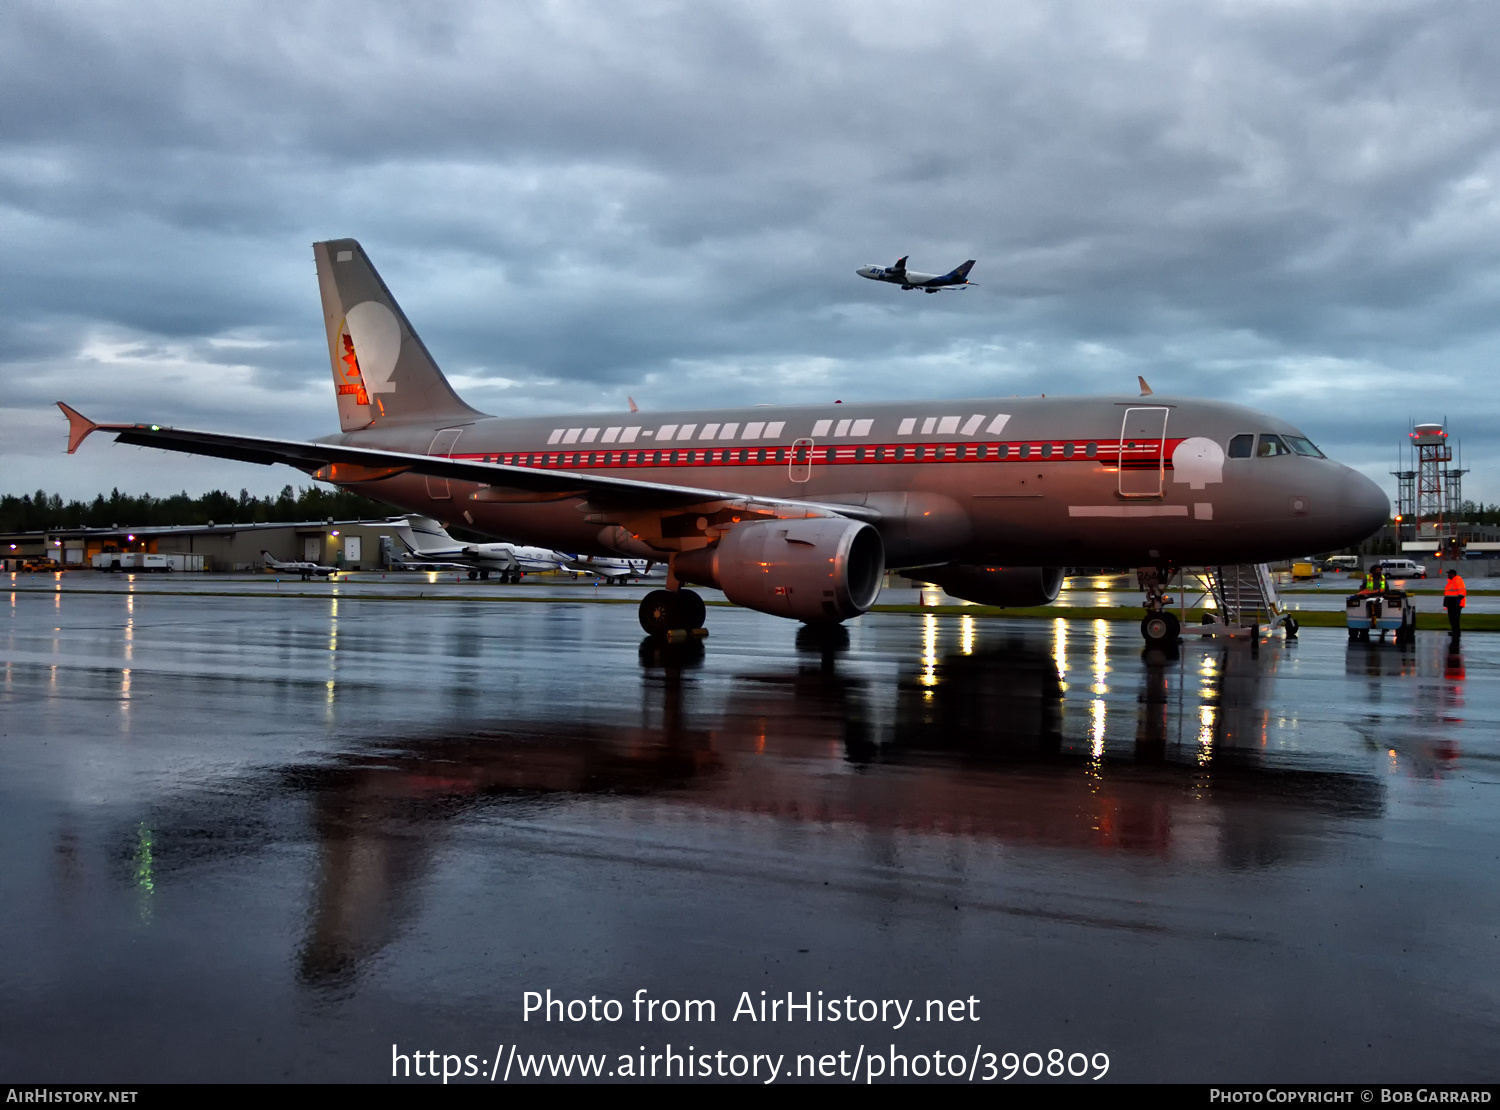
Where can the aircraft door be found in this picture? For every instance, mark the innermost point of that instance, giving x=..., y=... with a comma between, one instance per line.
x=442, y=444
x=1143, y=460
x=800, y=468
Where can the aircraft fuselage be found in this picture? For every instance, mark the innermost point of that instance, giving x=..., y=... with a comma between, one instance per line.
x=1121, y=481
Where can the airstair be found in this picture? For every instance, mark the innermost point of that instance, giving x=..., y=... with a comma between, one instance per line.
x=1244, y=600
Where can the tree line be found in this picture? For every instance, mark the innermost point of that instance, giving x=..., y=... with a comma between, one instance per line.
x=39, y=511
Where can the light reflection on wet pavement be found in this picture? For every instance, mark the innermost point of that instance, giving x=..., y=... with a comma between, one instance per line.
x=255, y=838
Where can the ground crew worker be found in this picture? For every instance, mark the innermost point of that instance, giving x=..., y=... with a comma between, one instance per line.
x=1374, y=580
x=1454, y=598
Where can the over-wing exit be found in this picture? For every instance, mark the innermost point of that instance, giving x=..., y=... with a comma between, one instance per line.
x=798, y=511
x=956, y=278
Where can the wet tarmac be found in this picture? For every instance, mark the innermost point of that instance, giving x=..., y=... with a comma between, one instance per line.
x=262, y=837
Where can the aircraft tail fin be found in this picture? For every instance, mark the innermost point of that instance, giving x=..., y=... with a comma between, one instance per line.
x=382, y=372
x=962, y=272
x=428, y=537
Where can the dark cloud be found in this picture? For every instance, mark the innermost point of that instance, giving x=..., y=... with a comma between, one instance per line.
x=1289, y=204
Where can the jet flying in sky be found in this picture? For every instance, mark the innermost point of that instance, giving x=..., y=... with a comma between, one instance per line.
x=898, y=274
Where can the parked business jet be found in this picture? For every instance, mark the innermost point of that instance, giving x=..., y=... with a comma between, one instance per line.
x=615, y=571
x=799, y=510
x=910, y=279
x=305, y=569
x=428, y=543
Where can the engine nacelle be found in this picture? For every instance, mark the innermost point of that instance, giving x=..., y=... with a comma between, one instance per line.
x=1005, y=587
x=814, y=569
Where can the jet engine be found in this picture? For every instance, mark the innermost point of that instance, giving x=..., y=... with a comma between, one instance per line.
x=814, y=569
x=1001, y=586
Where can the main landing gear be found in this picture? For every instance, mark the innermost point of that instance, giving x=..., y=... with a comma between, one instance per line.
x=664, y=612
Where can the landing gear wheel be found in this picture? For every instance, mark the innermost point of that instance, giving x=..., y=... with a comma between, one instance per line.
x=1160, y=629
x=473, y=574
x=664, y=611
x=694, y=612
x=1291, y=626
x=658, y=608
x=484, y=574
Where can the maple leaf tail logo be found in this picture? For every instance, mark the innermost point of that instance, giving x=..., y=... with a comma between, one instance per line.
x=356, y=383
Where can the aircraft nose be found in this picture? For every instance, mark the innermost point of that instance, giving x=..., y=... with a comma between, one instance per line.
x=1363, y=506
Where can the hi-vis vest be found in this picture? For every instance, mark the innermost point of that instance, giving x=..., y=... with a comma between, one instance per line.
x=1455, y=588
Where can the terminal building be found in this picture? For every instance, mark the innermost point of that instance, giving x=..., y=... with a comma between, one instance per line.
x=347, y=544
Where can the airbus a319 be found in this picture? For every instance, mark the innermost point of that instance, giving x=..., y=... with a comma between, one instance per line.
x=798, y=511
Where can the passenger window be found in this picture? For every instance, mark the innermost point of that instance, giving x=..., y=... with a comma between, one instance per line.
x=1093, y=449
x=1241, y=447
x=1271, y=446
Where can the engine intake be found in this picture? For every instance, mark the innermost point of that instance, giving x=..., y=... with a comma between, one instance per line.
x=816, y=569
x=1004, y=587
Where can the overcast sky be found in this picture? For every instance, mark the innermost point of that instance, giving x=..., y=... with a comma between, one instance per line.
x=1288, y=204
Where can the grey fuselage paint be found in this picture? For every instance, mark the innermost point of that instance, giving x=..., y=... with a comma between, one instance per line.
x=937, y=473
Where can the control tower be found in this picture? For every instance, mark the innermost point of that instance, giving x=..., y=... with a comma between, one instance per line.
x=1428, y=497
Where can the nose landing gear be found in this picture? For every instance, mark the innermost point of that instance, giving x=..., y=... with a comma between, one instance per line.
x=664, y=612
x=1160, y=629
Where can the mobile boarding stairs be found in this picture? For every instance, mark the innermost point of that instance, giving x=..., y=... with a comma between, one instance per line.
x=1244, y=597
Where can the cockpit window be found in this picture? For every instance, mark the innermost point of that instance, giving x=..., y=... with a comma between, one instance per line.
x=1270, y=446
x=1304, y=447
x=1242, y=447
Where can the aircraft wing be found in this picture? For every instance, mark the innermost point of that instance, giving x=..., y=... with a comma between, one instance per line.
x=536, y=564
x=332, y=462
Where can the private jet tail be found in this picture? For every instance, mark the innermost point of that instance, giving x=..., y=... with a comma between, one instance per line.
x=382, y=372
x=423, y=536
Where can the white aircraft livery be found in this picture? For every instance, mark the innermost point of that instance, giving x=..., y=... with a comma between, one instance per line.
x=305, y=569
x=428, y=543
x=798, y=511
x=898, y=274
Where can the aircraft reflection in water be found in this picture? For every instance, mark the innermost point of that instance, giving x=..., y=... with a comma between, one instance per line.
x=1008, y=742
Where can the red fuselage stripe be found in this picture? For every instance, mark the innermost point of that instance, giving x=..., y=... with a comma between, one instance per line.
x=1133, y=454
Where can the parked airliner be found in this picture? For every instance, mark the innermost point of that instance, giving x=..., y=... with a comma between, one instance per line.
x=799, y=510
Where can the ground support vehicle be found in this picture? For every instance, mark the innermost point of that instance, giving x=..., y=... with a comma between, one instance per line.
x=1381, y=611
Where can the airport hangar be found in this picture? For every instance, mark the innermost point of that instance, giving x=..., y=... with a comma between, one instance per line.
x=347, y=544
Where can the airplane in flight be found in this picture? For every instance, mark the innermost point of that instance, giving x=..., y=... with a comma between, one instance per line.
x=798, y=511
x=302, y=567
x=910, y=279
